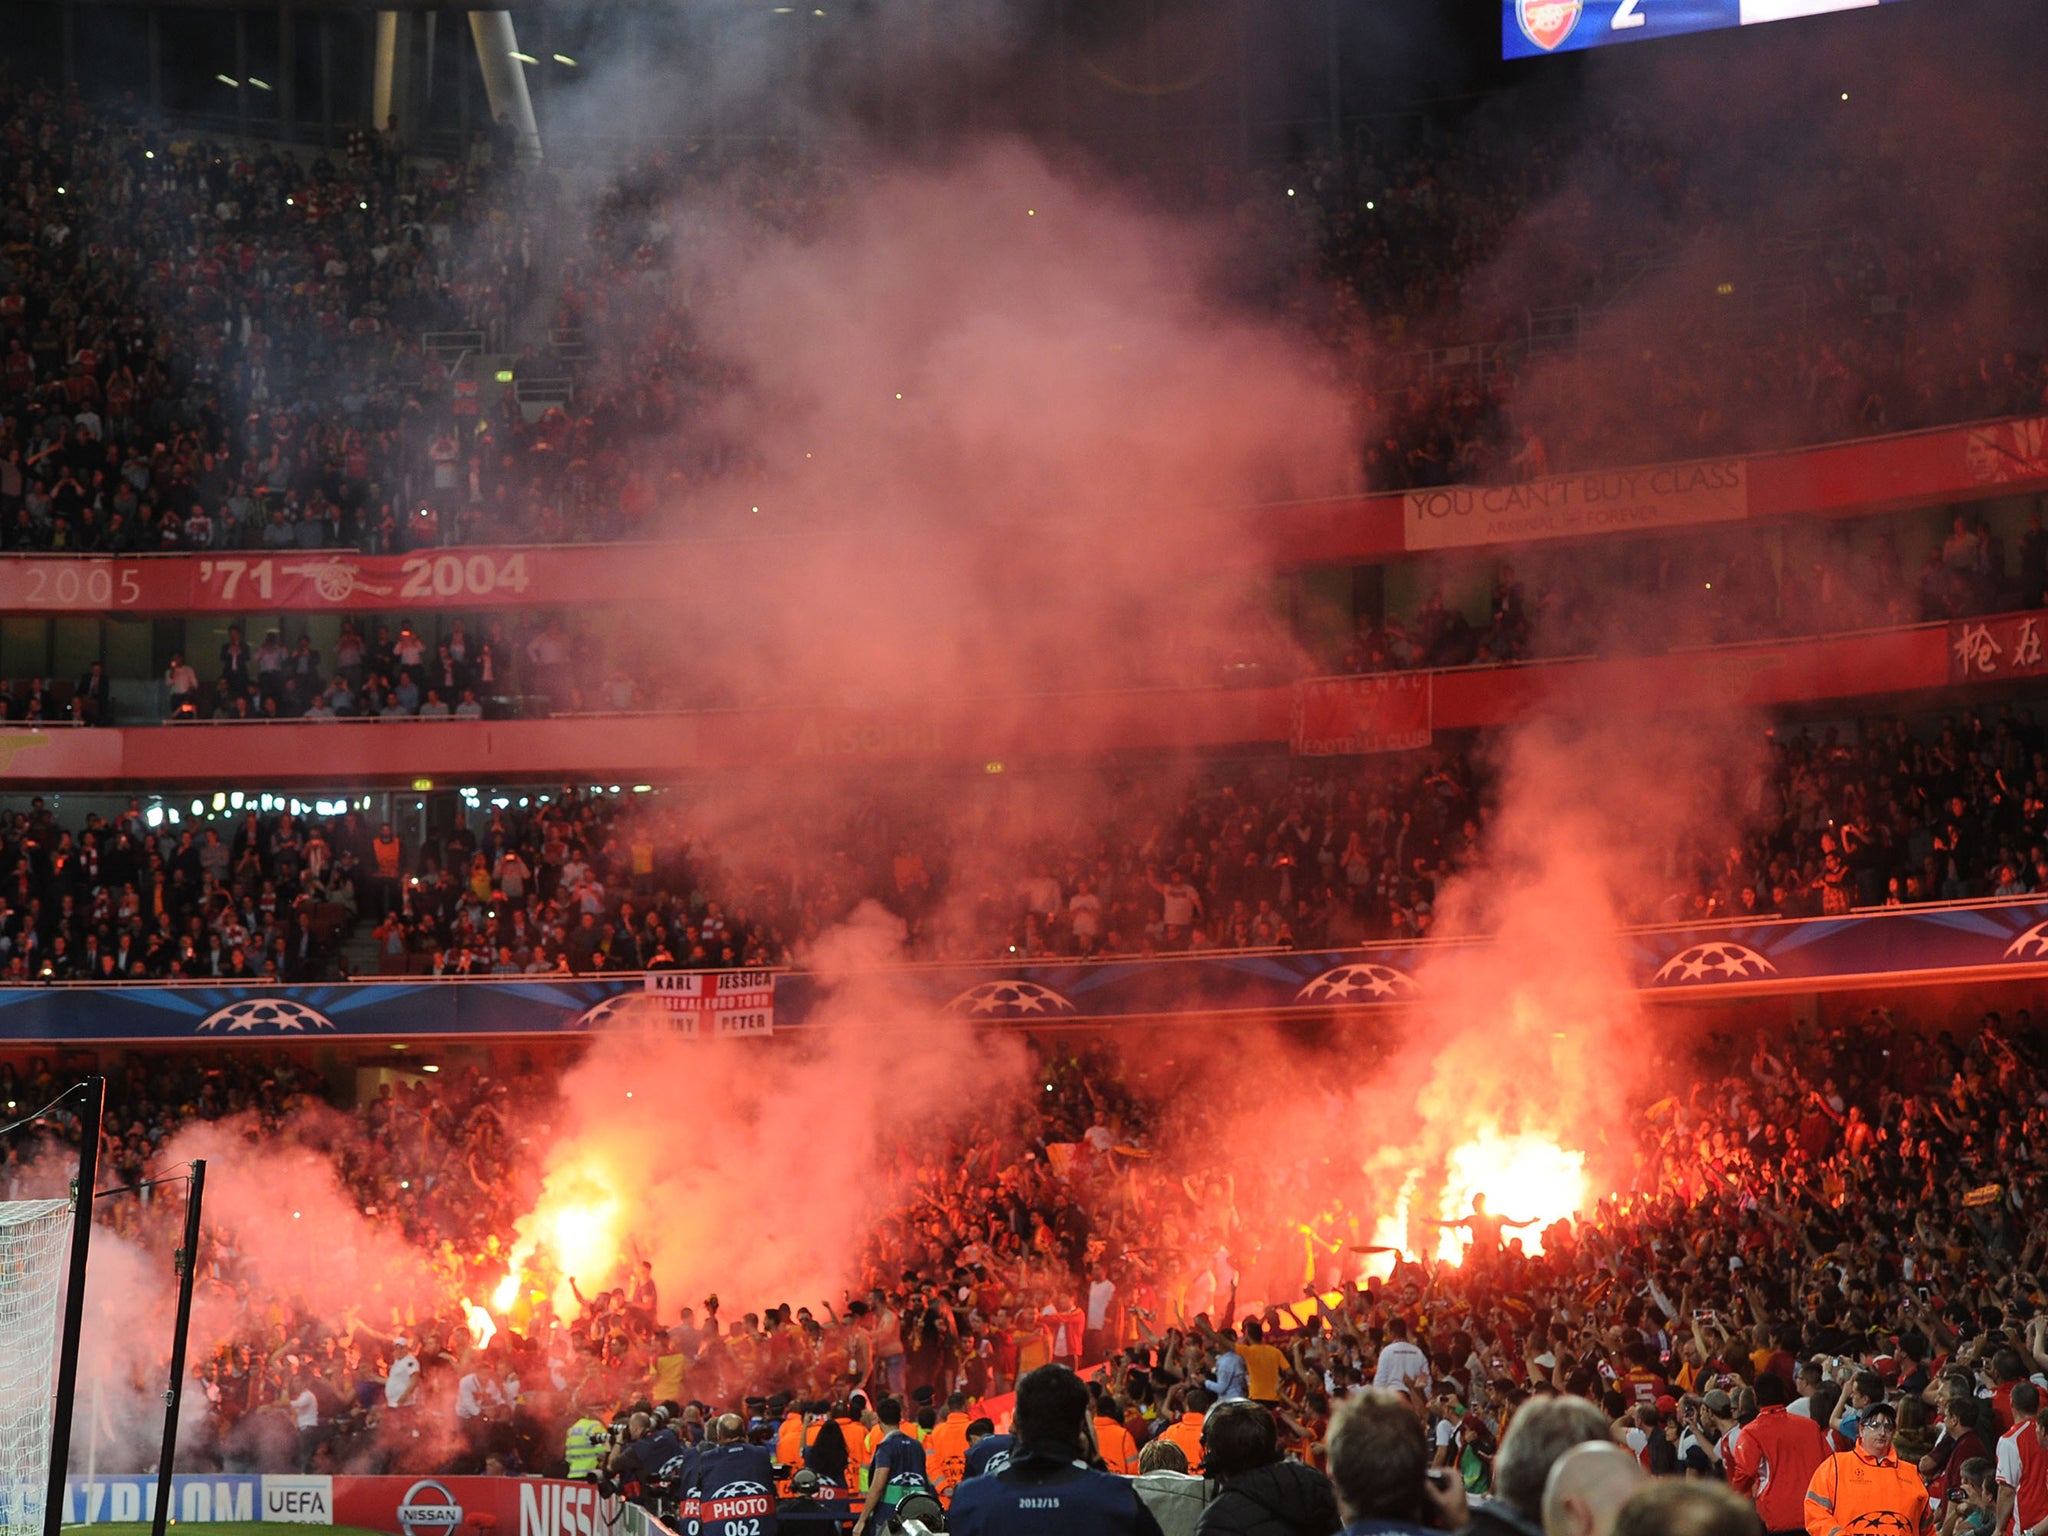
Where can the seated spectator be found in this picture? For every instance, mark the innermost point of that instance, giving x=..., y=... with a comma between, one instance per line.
x=1262, y=1494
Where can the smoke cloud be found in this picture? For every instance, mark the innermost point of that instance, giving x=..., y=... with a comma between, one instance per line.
x=1013, y=428
x=276, y=1206
x=734, y=1170
x=1516, y=1072
x=1015, y=422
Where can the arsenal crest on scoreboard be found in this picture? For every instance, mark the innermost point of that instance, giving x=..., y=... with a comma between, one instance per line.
x=1546, y=23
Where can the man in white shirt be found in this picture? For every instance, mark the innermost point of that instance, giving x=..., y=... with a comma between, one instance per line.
x=1100, y=1295
x=1179, y=902
x=306, y=1419
x=478, y=1394
x=1809, y=1378
x=1400, y=1362
x=305, y=1408
x=404, y=1376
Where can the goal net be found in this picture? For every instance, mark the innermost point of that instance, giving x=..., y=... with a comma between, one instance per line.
x=35, y=1236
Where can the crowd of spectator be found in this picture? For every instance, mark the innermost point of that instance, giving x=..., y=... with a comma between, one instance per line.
x=207, y=346
x=1836, y=1223
x=1640, y=597
x=1524, y=296
x=530, y=663
x=1715, y=588
x=212, y=346
x=493, y=666
x=1260, y=854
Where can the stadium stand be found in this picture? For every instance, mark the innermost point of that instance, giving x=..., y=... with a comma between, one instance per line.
x=1265, y=854
x=213, y=346
x=1827, y=1148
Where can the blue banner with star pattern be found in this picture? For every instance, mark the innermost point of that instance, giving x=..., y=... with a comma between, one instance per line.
x=1973, y=941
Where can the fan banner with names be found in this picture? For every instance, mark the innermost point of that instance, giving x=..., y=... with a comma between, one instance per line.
x=2008, y=645
x=1350, y=716
x=727, y=1005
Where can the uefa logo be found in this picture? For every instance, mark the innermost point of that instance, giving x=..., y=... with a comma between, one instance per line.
x=428, y=1509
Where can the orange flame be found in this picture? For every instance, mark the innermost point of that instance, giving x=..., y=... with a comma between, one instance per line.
x=578, y=1226
x=1525, y=1177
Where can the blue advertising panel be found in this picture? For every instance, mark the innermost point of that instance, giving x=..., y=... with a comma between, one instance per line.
x=1531, y=28
x=1977, y=941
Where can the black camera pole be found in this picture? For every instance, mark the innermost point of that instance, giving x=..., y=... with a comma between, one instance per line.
x=95, y=1091
x=187, y=1263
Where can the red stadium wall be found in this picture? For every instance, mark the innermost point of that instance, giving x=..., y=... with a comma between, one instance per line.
x=1036, y=729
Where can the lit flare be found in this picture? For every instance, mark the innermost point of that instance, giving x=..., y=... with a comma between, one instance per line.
x=578, y=1226
x=1523, y=1176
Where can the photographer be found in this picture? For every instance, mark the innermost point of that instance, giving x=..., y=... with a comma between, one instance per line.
x=636, y=1463
x=1707, y=1419
x=737, y=1480
x=1379, y=1461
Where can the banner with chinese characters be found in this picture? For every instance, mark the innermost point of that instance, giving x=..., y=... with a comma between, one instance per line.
x=1347, y=716
x=2009, y=645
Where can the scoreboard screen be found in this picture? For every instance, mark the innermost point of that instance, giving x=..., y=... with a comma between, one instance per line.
x=1531, y=28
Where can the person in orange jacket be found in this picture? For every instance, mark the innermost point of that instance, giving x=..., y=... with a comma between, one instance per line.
x=789, y=1434
x=1186, y=1431
x=1868, y=1489
x=945, y=1450
x=1118, y=1450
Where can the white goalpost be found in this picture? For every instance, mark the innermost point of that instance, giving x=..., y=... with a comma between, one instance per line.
x=35, y=1240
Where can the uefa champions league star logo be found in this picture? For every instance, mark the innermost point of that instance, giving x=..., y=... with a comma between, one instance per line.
x=629, y=1008
x=1361, y=982
x=1706, y=964
x=265, y=1016
x=2031, y=945
x=1010, y=999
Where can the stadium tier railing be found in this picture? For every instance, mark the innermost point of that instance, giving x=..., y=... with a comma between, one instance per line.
x=1923, y=661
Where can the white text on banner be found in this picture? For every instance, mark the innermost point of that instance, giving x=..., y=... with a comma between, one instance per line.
x=1577, y=506
x=724, y=1004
